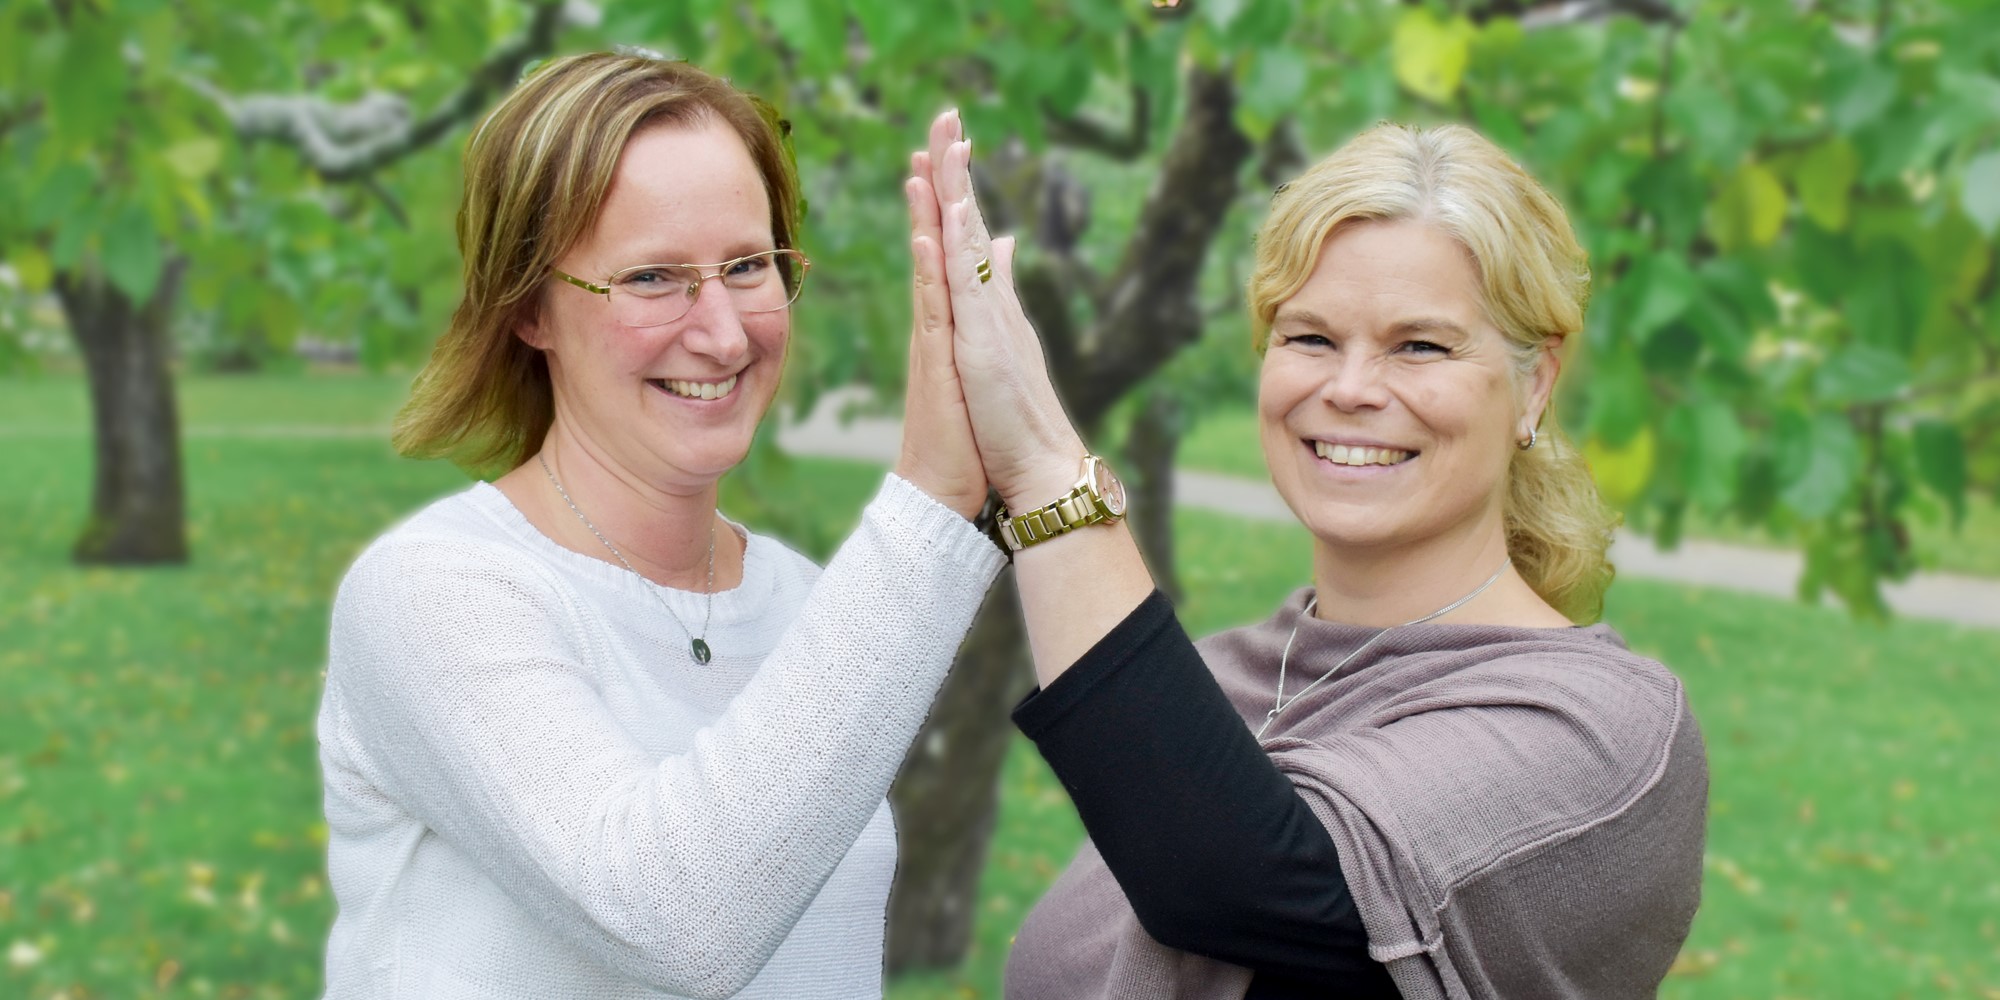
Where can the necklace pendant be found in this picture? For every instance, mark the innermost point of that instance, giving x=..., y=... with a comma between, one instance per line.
x=701, y=653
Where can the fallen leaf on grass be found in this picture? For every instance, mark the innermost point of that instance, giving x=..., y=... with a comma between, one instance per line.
x=23, y=954
x=1856, y=859
x=1695, y=963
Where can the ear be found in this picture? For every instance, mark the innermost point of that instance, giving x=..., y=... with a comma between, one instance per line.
x=531, y=331
x=1547, y=366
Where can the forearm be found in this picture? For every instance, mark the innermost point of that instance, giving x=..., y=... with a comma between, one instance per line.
x=1076, y=588
x=1216, y=852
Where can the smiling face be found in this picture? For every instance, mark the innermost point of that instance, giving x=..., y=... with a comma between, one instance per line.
x=674, y=405
x=1388, y=404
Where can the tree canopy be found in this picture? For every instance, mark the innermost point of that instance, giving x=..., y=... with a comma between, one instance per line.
x=1791, y=210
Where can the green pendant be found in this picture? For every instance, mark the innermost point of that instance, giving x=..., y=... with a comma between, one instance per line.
x=701, y=653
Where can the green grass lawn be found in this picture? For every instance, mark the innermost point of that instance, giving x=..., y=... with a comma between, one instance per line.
x=159, y=799
x=1226, y=442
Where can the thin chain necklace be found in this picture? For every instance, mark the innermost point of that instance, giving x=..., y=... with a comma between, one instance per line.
x=697, y=644
x=1280, y=703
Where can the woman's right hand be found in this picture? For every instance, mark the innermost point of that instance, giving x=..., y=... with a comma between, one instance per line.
x=1031, y=452
x=938, y=453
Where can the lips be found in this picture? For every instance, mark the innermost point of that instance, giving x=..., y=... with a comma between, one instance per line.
x=1360, y=455
x=689, y=389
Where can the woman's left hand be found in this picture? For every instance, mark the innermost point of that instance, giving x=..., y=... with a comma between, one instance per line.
x=938, y=454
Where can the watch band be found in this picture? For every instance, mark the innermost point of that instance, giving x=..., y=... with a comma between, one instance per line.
x=1078, y=508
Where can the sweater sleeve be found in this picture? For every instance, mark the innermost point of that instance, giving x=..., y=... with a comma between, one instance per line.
x=473, y=711
x=1213, y=847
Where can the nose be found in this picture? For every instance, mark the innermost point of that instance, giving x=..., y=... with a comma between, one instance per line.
x=1356, y=383
x=713, y=328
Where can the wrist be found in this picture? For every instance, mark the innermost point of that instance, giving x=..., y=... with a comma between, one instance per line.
x=1044, y=479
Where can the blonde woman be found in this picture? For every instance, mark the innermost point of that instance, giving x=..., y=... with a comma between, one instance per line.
x=583, y=736
x=1424, y=776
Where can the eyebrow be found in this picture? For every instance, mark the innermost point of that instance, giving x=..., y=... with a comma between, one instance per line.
x=1419, y=324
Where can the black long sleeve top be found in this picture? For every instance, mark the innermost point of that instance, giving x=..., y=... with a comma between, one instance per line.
x=1213, y=847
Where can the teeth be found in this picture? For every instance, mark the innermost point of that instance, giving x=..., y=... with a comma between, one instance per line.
x=1340, y=454
x=700, y=390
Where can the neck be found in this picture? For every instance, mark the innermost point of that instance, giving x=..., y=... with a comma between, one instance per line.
x=662, y=531
x=1382, y=586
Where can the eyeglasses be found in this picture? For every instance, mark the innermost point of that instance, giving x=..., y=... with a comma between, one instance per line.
x=657, y=294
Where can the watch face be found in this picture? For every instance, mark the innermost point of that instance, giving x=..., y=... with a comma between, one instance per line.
x=1109, y=488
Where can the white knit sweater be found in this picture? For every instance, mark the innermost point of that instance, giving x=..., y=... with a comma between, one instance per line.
x=533, y=791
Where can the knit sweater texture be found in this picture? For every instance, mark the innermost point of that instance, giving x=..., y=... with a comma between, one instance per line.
x=1519, y=812
x=532, y=790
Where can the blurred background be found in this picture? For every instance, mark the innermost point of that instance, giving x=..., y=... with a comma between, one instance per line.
x=228, y=244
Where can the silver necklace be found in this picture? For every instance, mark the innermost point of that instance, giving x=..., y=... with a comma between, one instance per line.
x=697, y=644
x=1280, y=703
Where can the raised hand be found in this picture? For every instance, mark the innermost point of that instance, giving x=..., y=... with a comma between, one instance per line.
x=1030, y=450
x=938, y=454
x=1075, y=588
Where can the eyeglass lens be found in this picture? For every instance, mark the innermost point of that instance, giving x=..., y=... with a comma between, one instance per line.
x=655, y=295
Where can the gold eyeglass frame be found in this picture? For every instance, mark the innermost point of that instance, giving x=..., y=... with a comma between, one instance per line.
x=694, y=288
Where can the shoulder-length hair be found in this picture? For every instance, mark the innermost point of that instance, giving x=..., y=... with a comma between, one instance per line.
x=536, y=173
x=1535, y=279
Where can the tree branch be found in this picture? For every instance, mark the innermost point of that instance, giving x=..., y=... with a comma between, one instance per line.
x=1150, y=309
x=1085, y=133
x=348, y=141
x=1559, y=13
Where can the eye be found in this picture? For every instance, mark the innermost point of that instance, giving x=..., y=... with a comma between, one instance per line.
x=1426, y=347
x=748, y=272
x=645, y=276
x=654, y=282
x=1303, y=340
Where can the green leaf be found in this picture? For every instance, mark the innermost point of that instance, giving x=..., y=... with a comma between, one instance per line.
x=1620, y=399
x=1858, y=92
x=1715, y=445
x=1748, y=211
x=1981, y=195
x=33, y=267
x=1261, y=25
x=1661, y=287
x=195, y=158
x=1669, y=191
x=1221, y=13
x=1621, y=472
x=1276, y=82
x=1861, y=373
x=1732, y=302
x=1825, y=178
x=65, y=191
x=1887, y=307
x=132, y=255
x=1818, y=460
x=1941, y=463
x=1431, y=55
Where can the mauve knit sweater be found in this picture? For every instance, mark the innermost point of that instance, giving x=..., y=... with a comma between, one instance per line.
x=1518, y=812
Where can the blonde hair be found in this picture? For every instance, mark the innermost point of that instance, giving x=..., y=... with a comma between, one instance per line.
x=1535, y=279
x=536, y=173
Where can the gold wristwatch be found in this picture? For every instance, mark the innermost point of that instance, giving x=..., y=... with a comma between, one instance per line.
x=1097, y=498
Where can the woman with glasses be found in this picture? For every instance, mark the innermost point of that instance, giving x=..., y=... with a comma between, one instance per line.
x=583, y=736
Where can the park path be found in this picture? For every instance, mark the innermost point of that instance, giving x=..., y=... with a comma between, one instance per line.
x=1951, y=597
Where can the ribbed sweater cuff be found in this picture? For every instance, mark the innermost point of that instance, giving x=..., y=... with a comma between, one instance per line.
x=905, y=510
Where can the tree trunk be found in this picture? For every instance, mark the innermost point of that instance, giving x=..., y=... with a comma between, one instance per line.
x=948, y=793
x=138, y=513
x=1150, y=445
